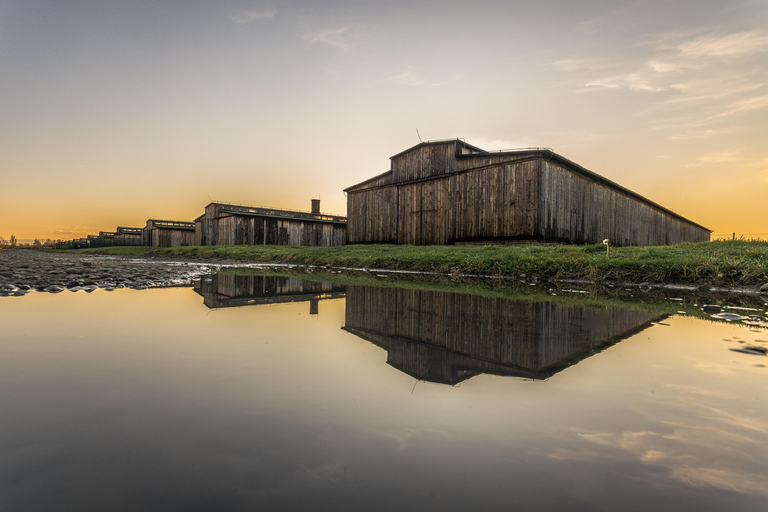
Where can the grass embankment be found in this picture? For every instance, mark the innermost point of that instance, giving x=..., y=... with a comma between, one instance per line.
x=721, y=263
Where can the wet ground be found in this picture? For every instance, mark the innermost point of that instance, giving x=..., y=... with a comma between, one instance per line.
x=22, y=271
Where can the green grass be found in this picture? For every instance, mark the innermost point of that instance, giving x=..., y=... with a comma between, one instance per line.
x=721, y=263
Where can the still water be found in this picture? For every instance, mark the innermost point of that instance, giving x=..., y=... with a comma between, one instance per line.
x=253, y=393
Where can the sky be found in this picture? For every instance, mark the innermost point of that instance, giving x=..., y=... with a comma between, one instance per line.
x=113, y=112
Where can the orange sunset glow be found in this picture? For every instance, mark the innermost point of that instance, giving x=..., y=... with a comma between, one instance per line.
x=116, y=112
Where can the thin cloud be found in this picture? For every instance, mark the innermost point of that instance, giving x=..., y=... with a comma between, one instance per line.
x=728, y=45
x=717, y=158
x=715, y=89
x=702, y=134
x=581, y=65
x=636, y=81
x=744, y=105
x=706, y=102
x=407, y=77
x=600, y=84
x=642, y=82
x=72, y=232
x=729, y=479
x=659, y=66
x=410, y=78
x=251, y=15
x=341, y=39
x=696, y=81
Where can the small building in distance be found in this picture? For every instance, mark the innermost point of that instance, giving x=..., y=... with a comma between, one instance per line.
x=127, y=236
x=232, y=224
x=78, y=243
x=448, y=192
x=103, y=239
x=168, y=233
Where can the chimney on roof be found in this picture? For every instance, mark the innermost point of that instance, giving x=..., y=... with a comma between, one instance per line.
x=315, y=206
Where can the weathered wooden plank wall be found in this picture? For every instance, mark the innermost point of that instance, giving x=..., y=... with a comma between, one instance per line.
x=127, y=239
x=576, y=209
x=221, y=226
x=237, y=230
x=162, y=234
x=491, y=203
x=101, y=240
x=421, y=215
x=166, y=237
x=372, y=216
x=424, y=162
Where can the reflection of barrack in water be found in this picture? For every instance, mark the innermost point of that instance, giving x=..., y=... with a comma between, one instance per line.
x=448, y=337
x=227, y=291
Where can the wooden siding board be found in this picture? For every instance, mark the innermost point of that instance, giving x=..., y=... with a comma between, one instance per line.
x=487, y=204
x=220, y=225
x=374, y=215
x=424, y=161
x=574, y=208
x=494, y=203
x=127, y=240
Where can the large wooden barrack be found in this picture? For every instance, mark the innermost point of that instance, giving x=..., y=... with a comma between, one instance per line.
x=450, y=192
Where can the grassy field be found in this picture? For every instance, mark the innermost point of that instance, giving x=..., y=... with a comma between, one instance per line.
x=721, y=263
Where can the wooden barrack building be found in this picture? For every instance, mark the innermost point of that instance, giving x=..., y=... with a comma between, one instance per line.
x=127, y=236
x=103, y=239
x=448, y=192
x=231, y=224
x=168, y=233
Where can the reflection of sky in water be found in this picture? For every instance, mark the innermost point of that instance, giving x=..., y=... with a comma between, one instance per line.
x=148, y=400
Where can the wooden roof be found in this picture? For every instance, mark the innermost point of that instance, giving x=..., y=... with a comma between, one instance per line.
x=123, y=230
x=261, y=211
x=171, y=224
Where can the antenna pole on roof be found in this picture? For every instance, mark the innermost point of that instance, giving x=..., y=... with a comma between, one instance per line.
x=418, y=135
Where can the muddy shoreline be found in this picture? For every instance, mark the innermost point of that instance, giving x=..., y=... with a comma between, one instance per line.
x=23, y=271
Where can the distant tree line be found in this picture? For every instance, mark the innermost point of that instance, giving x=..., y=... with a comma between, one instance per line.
x=13, y=243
